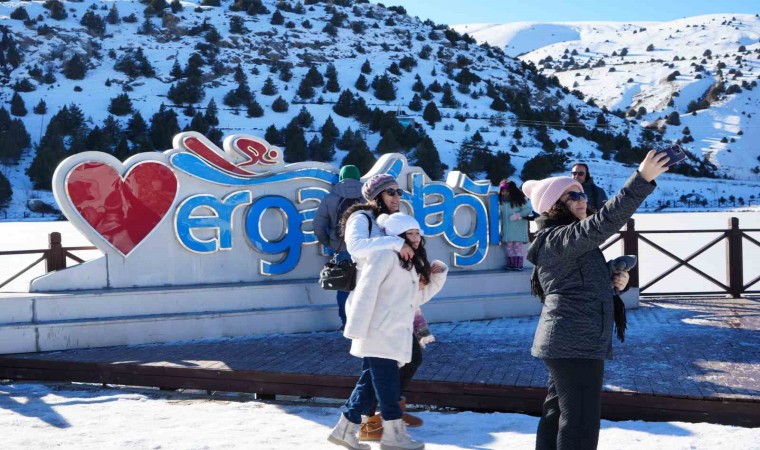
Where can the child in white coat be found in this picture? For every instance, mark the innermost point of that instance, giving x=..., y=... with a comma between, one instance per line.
x=380, y=317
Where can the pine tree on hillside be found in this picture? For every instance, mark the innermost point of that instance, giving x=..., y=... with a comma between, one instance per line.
x=304, y=119
x=316, y=78
x=431, y=115
x=75, y=68
x=344, y=106
x=449, y=100
x=93, y=22
x=6, y=191
x=269, y=87
x=56, y=8
x=388, y=144
x=13, y=138
x=122, y=150
x=18, y=108
x=416, y=103
x=40, y=108
x=426, y=157
x=384, y=89
x=112, y=131
x=329, y=132
x=501, y=167
x=346, y=139
x=361, y=83
x=277, y=18
x=254, y=109
x=366, y=67
x=331, y=74
x=305, y=89
x=241, y=96
x=295, y=144
x=120, y=105
x=137, y=129
x=273, y=136
x=198, y=124
x=164, y=126
x=359, y=155
x=543, y=165
x=211, y=114
x=113, y=15
x=418, y=85
x=50, y=152
x=280, y=105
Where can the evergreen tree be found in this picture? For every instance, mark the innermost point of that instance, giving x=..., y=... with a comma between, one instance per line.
x=329, y=132
x=122, y=150
x=137, y=129
x=50, y=152
x=280, y=105
x=6, y=191
x=269, y=87
x=501, y=167
x=359, y=156
x=366, y=67
x=418, y=85
x=449, y=100
x=543, y=165
x=112, y=131
x=315, y=77
x=56, y=8
x=212, y=112
x=74, y=68
x=416, y=103
x=237, y=25
x=277, y=18
x=426, y=157
x=344, y=106
x=13, y=138
x=388, y=144
x=199, y=124
x=273, y=136
x=120, y=105
x=254, y=109
x=18, y=108
x=305, y=89
x=304, y=118
x=346, y=140
x=176, y=71
x=164, y=126
x=384, y=88
x=361, y=83
x=41, y=108
x=93, y=22
x=331, y=74
x=241, y=96
x=295, y=144
x=431, y=115
x=113, y=15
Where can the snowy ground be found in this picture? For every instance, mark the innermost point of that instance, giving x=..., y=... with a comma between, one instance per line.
x=34, y=416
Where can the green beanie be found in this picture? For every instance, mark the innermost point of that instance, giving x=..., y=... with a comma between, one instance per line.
x=349, y=171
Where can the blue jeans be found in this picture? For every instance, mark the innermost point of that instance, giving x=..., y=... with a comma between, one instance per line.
x=342, y=296
x=379, y=377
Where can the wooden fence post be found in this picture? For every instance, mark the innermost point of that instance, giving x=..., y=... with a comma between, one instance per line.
x=734, y=268
x=631, y=247
x=55, y=258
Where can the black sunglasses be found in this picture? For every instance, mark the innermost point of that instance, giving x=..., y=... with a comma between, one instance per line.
x=577, y=196
x=394, y=192
x=578, y=173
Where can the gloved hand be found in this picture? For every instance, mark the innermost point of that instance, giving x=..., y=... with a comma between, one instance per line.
x=515, y=216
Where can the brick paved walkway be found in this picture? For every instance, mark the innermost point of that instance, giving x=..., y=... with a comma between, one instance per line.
x=695, y=348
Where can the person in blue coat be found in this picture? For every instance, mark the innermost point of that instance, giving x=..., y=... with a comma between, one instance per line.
x=514, y=210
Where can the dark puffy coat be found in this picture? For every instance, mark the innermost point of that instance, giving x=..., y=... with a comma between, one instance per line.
x=577, y=318
x=596, y=195
x=326, y=220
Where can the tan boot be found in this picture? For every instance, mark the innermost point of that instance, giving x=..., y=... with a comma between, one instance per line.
x=372, y=430
x=344, y=434
x=410, y=420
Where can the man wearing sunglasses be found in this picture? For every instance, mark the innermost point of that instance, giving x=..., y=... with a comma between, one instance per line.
x=596, y=195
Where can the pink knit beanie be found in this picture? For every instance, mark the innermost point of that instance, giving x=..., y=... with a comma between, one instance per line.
x=545, y=193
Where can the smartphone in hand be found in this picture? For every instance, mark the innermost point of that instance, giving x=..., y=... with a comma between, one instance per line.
x=675, y=154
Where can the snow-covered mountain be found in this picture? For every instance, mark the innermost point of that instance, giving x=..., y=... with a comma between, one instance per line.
x=140, y=55
x=699, y=72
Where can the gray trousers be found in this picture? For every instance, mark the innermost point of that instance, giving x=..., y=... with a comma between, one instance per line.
x=573, y=406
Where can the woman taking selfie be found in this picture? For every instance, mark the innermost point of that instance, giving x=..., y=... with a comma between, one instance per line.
x=572, y=278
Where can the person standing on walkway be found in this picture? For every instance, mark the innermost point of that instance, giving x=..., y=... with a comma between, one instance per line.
x=364, y=237
x=345, y=194
x=596, y=195
x=514, y=210
x=381, y=313
x=573, y=281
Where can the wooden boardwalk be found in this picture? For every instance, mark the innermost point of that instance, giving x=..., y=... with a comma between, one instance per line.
x=685, y=360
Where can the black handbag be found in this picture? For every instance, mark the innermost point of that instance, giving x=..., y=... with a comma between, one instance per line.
x=340, y=275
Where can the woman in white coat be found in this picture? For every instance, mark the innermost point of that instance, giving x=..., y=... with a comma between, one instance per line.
x=380, y=316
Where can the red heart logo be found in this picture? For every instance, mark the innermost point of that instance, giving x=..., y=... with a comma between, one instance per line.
x=123, y=210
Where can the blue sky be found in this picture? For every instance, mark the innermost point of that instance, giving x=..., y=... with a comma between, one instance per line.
x=501, y=11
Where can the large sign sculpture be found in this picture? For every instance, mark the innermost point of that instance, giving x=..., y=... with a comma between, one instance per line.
x=198, y=214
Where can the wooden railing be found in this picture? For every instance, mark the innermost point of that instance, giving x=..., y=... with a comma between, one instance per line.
x=733, y=236
x=55, y=256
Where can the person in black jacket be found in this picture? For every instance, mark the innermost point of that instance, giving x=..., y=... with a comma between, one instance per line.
x=573, y=280
x=596, y=195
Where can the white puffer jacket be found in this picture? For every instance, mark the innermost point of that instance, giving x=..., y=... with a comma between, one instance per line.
x=361, y=244
x=381, y=309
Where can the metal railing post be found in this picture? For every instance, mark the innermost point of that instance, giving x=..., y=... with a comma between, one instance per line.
x=55, y=258
x=734, y=268
x=631, y=247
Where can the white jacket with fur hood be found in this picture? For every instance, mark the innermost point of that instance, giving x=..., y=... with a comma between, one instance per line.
x=380, y=310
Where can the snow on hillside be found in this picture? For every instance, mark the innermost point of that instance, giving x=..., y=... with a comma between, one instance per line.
x=367, y=32
x=651, y=70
